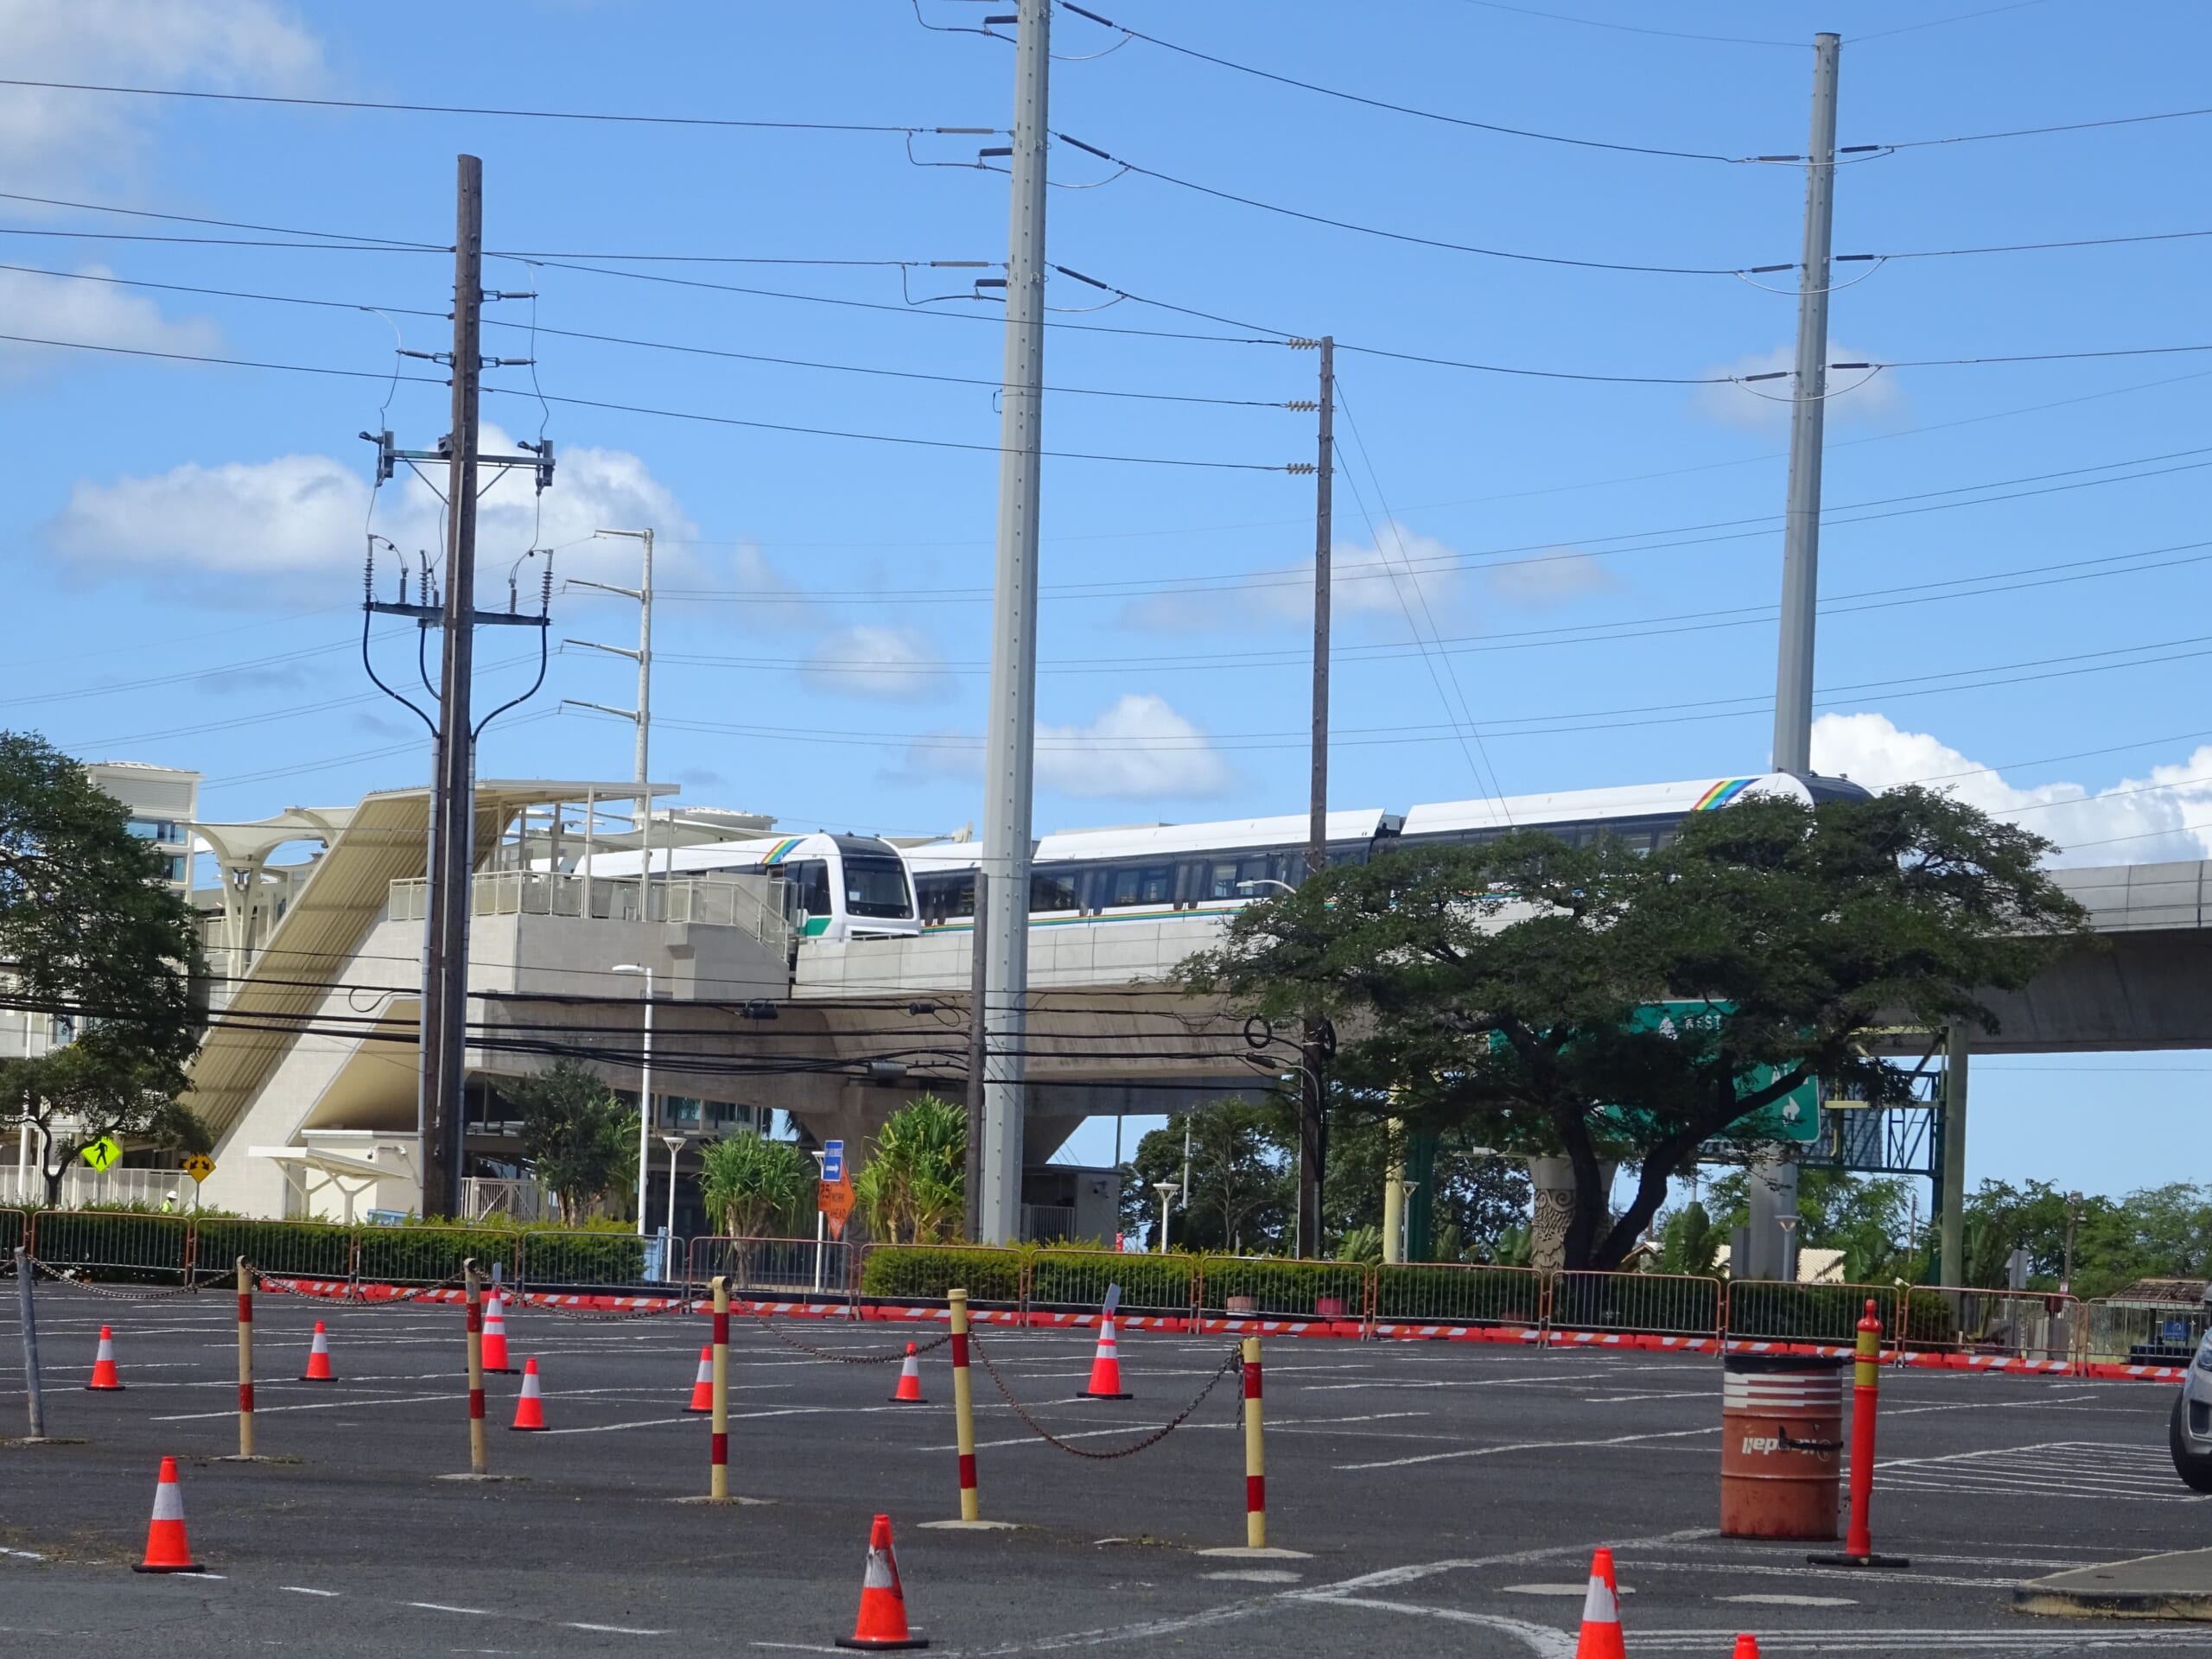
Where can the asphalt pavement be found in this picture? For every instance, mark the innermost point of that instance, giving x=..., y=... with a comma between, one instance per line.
x=1443, y=1495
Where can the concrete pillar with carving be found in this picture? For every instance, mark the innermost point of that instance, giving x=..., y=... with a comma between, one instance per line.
x=1552, y=1181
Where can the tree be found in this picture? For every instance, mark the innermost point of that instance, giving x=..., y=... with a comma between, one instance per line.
x=916, y=1177
x=1474, y=1196
x=580, y=1137
x=91, y=932
x=750, y=1182
x=1240, y=1176
x=1504, y=986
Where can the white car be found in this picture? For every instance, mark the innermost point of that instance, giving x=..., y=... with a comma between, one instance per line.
x=2191, y=1432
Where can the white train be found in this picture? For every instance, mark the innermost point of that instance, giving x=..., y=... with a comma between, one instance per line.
x=1148, y=871
x=858, y=886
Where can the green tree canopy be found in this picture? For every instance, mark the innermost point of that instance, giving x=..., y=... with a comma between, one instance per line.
x=90, y=931
x=1497, y=985
x=580, y=1137
x=1240, y=1192
x=751, y=1183
x=914, y=1184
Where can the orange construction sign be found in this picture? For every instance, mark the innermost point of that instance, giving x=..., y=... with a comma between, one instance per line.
x=835, y=1200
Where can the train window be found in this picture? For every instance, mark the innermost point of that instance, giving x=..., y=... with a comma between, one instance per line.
x=1221, y=880
x=941, y=898
x=1052, y=890
x=809, y=879
x=875, y=885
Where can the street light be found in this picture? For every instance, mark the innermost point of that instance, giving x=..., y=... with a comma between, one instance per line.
x=644, y=1087
x=675, y=1143
x=1265, y=881
x=1167, y=1189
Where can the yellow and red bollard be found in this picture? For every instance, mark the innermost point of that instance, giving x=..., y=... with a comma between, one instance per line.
x=1858, y=1538
x=718, y=1441
x=1256, y=1459
x=964, y=1407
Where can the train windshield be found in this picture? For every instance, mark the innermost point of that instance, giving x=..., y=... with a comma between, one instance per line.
x=875, y=885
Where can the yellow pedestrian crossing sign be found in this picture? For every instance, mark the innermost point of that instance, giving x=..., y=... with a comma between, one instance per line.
x=199, y=1166
x=102, y=1153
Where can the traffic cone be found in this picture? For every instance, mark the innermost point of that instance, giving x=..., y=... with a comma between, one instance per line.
x=318, y=1369
x=882, y=1621
x=1106, y=1366
x=909, y=1391
x=530, y=1410
x=1747, y=1647
x=702, y=1389
x=103, y=1376
x=495, y=1336
x=166, y=1549
x=1601, y=1613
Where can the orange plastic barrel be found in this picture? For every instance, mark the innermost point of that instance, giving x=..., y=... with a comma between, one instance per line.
x=1781, y=1446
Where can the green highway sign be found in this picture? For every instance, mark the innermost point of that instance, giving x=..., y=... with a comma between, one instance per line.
x=1796, y=1116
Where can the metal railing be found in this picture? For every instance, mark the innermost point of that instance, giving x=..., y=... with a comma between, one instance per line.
x=757, y=904
x=117, y=1243
x=1822, y=1315
x=1453, y=1293
x=1638, y=1304
x=783, y=1266
x=1271, y=1288
x=2018, y=1324
x=1075, y=1280
x=547, y=1259
x=2116, y=1333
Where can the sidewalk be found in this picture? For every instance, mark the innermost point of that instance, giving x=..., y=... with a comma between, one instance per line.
x=2178, y=1586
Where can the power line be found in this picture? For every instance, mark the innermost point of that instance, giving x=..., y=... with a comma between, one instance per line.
x=1408, y=237
x=1384, y=104
x=2037, y=132
x=407, y=243
x=614, y=117
x=1632, y=28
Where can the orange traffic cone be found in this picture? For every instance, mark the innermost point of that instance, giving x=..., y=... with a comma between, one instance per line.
x=882, y=1621
x=1601, y=1613
x=909, y=1391
x=166, y=1549
x=318, y=1369
x=103, y=1376
x=1106, y=1366
x=495, y=1336
x=702, y=1389
x=1747, y=1647
x=530, y=1410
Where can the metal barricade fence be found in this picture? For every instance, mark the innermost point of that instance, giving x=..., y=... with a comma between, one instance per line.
x=2021, y=1324
x=1283, y=1288
x=993, y=1275
x=116, y=1242
x=307, y=1249
x=14, y=1228
x=2122, y=1333
x=1075, y=1281
x=1455, y=1292
x=432, y=1256
x=1826, y=1315
x=554, y=1259
x=1643, y=1304
x=787, y=1266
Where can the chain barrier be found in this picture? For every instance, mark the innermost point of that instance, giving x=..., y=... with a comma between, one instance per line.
x=752, y=1310
x=1230, y=1365
x=68, y=1276
x=354, y=1291
x=606, y=1315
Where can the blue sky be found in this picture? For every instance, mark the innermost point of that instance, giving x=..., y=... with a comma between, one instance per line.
x=1545, y=583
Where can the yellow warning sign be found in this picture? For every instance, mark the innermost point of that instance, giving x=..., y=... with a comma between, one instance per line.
x=199, y=1166
x=102, y=1153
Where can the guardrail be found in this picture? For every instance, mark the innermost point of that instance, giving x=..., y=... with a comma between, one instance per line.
x=1924, y=1324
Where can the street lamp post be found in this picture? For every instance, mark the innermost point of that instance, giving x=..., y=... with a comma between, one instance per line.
x=1167, y=1189
x=2073, y=1216
x=675, y=1143
x=645, y=1088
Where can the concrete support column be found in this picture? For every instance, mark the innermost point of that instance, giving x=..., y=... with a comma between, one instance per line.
x=1951, y=1180
x=1773, y=1195
x=1394, y=1193
x=1553, y=1181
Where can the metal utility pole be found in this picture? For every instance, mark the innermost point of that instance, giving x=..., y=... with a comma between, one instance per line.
x=1009, y=755
x=453, y=814
x=1313, y=1102
x=642, y=715
x=1801, y=544
x=1951, y=1176
x=978, y=1049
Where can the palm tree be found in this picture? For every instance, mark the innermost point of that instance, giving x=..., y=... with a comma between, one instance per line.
x=916, y=1179
x=749, y=1181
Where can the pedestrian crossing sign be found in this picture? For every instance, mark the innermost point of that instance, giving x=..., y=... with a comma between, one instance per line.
x=102, y=1153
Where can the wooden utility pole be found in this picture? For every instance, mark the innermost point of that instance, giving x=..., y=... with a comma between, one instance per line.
x=453, y=815
x=1313, y=1102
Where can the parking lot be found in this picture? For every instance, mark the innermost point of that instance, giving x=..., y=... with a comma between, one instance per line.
x=1444, y=1493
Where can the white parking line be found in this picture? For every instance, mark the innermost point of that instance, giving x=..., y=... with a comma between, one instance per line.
x=1532, y=1445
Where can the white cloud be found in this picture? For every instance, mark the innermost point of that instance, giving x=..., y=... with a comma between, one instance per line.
x=2165, y=816
x=51, y=140
x=96, y=312
x=871, y=661
x=1853, y=394
x=1551, y=577
x=294, y=526
x=1138, y=748
x=1404, y=570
